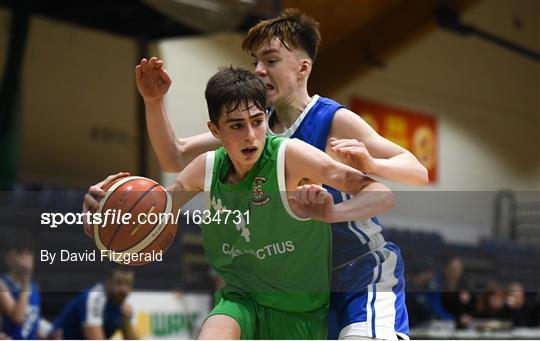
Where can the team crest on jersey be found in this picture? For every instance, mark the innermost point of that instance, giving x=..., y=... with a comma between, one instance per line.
x=259, y=197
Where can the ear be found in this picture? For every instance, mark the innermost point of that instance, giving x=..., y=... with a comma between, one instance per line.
x=305, y=68
x=213, y=129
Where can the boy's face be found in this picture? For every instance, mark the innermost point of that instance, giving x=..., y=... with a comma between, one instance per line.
x=119, y=285
x=20, y=262
x=279, y=69
x=242, y=133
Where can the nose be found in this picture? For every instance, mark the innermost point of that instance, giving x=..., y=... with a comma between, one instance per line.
x=250, y=134
x=260, y=70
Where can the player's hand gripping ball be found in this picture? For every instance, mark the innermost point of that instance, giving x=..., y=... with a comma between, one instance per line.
x=137, y=221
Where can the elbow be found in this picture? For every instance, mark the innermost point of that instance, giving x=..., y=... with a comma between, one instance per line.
x=176, y=164
x=388, y=200
x=421, y=175
x=423, y=178
x=381, y=196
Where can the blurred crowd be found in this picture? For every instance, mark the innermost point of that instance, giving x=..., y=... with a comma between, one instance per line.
x=434, y=293
x=446, y=294
x=96, y=313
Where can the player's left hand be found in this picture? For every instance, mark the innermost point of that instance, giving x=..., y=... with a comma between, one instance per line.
x=126, y=310
x=312, y=201
x=353, y=153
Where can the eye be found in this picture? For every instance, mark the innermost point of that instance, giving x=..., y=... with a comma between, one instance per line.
x=236, y=126
x=271, y=61
x=258, y=122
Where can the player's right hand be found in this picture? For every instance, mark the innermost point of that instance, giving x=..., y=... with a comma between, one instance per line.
x=312, y=201
x=94, y=195
x=152, y=79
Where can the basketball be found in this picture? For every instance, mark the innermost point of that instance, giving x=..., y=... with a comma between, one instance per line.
x=137, y=225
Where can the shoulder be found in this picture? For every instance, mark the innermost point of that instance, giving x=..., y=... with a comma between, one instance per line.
x=323, y=107
x=299, y=152
x=345, y=115
x=329, y=102
x=295, y=145
x=348, y=124
x=273, y=144
x=95, y=296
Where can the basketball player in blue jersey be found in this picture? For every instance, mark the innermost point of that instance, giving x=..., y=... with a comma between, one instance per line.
x=368, y=286
x=99, y=311
x=20, y=300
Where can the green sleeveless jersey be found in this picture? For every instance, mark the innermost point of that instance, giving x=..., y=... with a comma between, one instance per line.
x=263, y=249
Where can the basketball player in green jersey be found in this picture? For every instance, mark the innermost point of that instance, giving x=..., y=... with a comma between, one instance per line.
x=275, y=261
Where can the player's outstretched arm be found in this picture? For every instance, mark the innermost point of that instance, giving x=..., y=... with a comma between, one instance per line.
x=374, y=154
x=189, y=182
x=15, y=309
x=304, y=162
x=173, y=153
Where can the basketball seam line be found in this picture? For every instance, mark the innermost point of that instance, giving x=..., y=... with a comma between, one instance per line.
x=130, y=209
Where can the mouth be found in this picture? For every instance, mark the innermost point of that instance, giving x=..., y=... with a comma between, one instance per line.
x=269, y=87
x=249, y=151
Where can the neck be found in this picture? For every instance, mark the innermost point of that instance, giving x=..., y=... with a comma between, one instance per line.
x=288, y=111
x=237, y=172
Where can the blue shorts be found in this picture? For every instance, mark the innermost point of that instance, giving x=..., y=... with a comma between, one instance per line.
x=368, y=297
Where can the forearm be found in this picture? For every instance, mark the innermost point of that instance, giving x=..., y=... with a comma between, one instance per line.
x=163, y=136
x=373, y=200
x=404, y=168
x=180, y=196
x=174, y=153
x=18, y=313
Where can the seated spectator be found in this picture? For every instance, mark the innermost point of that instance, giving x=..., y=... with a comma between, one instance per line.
x=20, y=300
x=521, y=313
x=419, y=287
x=491, y=304
x=456, y=298
x=446, y=296
x=100, y=310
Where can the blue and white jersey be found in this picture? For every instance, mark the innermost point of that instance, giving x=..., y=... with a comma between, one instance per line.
x=90, y=308
x=350, y=239
x=29, y=328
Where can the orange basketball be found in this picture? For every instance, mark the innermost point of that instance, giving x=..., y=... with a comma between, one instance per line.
x=137, y=224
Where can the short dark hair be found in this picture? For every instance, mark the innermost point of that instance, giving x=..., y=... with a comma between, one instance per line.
x=293, y=28
x=117, y=268
x=20, y=245
x=232, y=87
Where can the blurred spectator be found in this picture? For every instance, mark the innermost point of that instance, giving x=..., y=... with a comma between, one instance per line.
x=419, y=286
x=517, y=309
x=456, y=298
x=491, y=304
x=101, y=310
x=20, y=300
x=439, y=295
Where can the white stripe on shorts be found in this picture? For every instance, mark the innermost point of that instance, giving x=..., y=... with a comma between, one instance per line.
x=384, y=305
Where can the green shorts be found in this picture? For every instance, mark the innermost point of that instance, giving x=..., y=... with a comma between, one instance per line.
x=260, y=322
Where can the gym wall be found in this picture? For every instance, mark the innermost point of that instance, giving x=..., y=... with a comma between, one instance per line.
x=191, y=62
x=78, y=105
x=487, y=102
